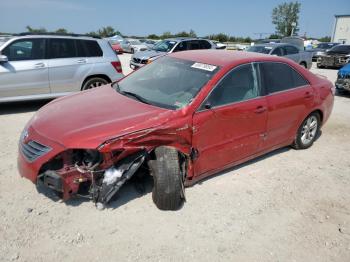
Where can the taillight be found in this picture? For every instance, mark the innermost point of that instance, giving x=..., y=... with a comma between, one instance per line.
x=117, y=66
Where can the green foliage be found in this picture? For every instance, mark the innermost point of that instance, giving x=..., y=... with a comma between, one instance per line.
x=106, y=31
x=275, y=36
x=153, y=36
x=325, y=39
x=61, y=31
x=283, y=17
x=36, y=30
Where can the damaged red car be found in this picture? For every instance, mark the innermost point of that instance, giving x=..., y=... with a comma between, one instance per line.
x=179, y=119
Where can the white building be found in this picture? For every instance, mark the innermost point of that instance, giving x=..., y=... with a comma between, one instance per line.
x=341, y=29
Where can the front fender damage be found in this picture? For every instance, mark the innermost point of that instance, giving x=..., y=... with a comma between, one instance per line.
x=103, y=171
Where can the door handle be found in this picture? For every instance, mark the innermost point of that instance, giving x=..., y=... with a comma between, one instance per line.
x=81, y=61
x=260, y=109
x=308, y=95
x=39, y=65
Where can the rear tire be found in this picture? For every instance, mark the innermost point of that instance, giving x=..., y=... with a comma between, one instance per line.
x=94, y=82
x=307, y=132
x=303, y=64
x=168, y=187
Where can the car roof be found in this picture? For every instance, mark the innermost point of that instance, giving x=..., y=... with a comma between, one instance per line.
x=55, y=36
x=224, y=57
x=184, y=38
x=274, y=44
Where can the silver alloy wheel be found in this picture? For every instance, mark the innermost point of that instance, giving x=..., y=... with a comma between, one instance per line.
x=309, y=130
x=95, y=84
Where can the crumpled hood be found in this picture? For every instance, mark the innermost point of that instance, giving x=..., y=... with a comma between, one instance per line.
x=87, y=119
x=345, y=70
x=148, y=54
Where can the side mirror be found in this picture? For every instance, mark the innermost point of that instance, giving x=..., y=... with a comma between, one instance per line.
x=3, y=59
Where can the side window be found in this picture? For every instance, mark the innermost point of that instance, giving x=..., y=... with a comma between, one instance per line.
x=204, y=44
x=279, y=77
x=193, y=45
x=182, y=46
x=25, y=49
x=278, y=51
x=62, y=48
x=88, y=48
x=291, y=50
x=93, y=49
x=238, y=85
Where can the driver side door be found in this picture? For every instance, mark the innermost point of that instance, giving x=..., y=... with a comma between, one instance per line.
x=231, y=123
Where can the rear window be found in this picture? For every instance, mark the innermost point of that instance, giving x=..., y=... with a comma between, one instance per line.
x=89, y=48
x=279, y=77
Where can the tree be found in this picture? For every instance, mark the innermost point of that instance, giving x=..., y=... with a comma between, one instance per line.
x=285, y=17
x=192, y=33
x=107, y=31
x=325, y=39
x=166, y=34
x=61, y=31
x=35, y=30
x=153, y=36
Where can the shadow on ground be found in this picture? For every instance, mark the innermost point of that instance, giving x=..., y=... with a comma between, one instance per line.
x=21, y=107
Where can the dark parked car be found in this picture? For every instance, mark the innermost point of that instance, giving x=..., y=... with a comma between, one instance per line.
x=184, y=117
x=169, y=46
x=337, y=56
x=320, y=49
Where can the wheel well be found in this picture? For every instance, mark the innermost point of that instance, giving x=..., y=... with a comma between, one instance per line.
x=94, y=76
x=303, y=63
x=320, y=113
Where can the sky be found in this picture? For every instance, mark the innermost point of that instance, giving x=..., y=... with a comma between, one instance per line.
x=144, y=17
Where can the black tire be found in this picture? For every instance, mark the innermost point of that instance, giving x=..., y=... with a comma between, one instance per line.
x=299, y=142
x=303, y=64
x=93, y=83
x=168, y=187
x=132, y=50
x=319, y=66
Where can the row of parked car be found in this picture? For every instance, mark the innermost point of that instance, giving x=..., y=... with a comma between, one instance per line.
x=47, y=66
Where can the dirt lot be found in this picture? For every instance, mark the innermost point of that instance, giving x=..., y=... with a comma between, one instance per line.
x=286, y=206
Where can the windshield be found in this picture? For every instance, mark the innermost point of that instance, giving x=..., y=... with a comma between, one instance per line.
x=167, y=82
x=260, y=49
x=164, y=46
x=341, y=49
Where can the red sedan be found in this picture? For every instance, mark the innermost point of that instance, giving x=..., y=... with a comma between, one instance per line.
x=116, y=46
x=180, y=119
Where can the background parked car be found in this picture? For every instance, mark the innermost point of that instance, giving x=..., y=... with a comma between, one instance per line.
x=320, y=49
x=135, y=45
x=116, y=46
x=47, y=66
x=219, y=45
x=343, y=79
x=287, y=50
x=169, y=46
x=337, y=56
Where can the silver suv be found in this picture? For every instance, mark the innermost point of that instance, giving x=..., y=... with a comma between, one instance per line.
x=48, y=66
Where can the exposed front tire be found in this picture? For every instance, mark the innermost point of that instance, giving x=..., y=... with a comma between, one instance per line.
x=94, y=82
x=307, y=132
x=168, y=189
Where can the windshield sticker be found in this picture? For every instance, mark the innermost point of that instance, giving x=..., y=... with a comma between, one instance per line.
x=206, y=67
x=268, y=47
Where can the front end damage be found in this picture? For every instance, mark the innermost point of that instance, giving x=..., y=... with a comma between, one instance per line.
x=99, y=173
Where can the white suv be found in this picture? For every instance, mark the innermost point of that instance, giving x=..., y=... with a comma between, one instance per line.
x=48, y=66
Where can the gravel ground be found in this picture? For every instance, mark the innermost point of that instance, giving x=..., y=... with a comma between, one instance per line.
x=286, y=206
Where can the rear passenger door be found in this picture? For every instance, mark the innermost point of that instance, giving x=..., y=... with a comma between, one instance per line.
x=289, y=98
x=67, y=66
x=292, y=53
